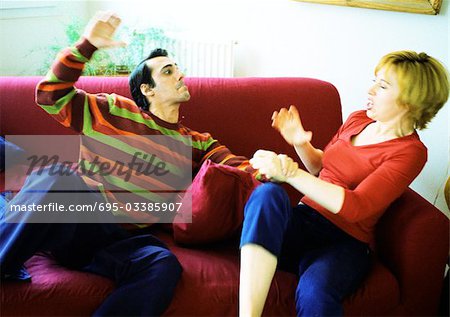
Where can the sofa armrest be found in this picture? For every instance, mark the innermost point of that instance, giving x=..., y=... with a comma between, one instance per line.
x=412, y=241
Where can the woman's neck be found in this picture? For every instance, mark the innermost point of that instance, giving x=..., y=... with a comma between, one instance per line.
x=395, y=128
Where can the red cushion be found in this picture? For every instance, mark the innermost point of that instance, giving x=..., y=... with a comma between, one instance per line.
x=219, y=194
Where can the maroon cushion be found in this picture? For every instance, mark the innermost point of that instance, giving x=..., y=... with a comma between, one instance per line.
x=219, y=194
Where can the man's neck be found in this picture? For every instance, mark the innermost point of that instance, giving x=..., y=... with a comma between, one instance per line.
x=168, y=113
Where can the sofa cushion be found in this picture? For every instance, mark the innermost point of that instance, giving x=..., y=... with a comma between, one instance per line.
x=210, y=282
x=219, y=194
x=208, y=287
x=211, y=276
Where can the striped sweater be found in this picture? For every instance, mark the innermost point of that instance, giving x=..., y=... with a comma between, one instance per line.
x=115, y=130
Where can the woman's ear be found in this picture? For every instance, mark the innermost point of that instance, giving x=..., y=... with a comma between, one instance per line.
x=147, y=90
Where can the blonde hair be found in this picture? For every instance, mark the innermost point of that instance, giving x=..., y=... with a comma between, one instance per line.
x=423, y=82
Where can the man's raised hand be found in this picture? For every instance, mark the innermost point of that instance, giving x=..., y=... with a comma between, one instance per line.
x=101, y=28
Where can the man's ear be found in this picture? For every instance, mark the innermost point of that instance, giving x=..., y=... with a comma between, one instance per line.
x=147, y=90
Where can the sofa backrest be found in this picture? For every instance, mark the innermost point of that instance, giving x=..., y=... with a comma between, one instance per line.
x=236, y=111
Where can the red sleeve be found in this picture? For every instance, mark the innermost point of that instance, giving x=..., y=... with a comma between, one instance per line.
x=378, y=190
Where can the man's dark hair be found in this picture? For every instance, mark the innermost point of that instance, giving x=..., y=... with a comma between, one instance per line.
x=142, y=74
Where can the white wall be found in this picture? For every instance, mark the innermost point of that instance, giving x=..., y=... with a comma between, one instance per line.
x=287, y=38
x=27, y=30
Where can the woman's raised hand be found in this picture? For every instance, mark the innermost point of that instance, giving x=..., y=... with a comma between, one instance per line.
x=288, y=123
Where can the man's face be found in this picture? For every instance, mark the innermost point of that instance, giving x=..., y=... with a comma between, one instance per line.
x=169, y=86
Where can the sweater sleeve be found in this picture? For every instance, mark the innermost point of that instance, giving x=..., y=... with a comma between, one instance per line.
x=220, y=154
x=378, y=190
x=56, y=93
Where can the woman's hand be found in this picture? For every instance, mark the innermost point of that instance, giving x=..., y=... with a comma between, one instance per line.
x=277, y=168
x=100, y=30
x=288, y=123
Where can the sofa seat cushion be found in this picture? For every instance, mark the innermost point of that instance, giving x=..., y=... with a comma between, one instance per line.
x=378, y=295
x=211, y=276
x=53, y=291
x=209, y=287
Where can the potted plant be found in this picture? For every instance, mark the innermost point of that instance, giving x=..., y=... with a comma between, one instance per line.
x=114, y=62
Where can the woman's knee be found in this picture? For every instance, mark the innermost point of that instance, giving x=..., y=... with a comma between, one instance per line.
x=269, y=198
x=271, y=190
x=266, y=218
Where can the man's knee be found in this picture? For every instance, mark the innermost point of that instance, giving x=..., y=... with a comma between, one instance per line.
x=156, y=260
x=169, y=263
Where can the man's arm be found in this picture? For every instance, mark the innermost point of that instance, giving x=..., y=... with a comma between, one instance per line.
x=56, y=93
x=220, y=154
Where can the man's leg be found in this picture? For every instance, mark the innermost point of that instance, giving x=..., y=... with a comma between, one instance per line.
x=146, y=274
x=21, y=240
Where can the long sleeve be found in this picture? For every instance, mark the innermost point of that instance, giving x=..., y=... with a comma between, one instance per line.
x=378, y=190
x=56, y=93
x=220, y=154
x=208, y=148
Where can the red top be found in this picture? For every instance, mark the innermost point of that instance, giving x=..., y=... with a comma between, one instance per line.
x=373, y=176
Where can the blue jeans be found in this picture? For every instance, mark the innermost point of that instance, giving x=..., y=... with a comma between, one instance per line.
x=330, y=263
x=144, y=270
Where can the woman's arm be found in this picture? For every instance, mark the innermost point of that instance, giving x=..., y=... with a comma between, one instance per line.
x=374, y=193
x=281, y=168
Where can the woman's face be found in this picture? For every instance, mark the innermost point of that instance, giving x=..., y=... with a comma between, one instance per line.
x=382, y=104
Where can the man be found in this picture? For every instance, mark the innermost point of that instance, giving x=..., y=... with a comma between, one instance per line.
x=145, y=271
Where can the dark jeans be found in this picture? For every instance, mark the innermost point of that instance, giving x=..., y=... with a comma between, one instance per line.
x=330, y=263
x=144, y=270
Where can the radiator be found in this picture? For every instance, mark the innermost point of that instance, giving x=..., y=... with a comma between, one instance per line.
x=203, y=59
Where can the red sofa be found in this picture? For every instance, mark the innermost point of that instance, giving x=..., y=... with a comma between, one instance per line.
x=412, y=237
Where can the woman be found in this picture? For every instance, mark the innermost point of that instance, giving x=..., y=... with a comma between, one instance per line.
x=370, y=161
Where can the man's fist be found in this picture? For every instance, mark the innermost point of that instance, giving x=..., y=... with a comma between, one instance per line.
x=100, y=30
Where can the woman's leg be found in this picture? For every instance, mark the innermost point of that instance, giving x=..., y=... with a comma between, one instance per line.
x=266, y=218
x=328, y=275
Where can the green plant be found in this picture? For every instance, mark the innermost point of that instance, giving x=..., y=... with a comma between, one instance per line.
x=110, y=62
